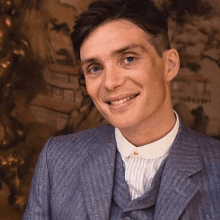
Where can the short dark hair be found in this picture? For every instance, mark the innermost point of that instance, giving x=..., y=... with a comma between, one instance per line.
x=142, y=13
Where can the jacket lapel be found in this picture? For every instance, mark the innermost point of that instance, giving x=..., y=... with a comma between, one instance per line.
x=97, y=174
x=121, y=194
x=177, y=186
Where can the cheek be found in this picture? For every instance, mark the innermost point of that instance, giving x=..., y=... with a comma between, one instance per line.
x=89, y=89
x=158, y=76
x=92, y=88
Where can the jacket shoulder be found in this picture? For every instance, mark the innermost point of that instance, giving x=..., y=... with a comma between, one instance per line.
x=208, y=147
x=77, y=144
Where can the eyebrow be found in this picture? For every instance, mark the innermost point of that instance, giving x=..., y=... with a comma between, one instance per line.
x=116, y=52
x=129, y=47
x=90, y=60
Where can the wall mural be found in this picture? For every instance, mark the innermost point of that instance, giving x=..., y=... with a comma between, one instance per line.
x=196, y=87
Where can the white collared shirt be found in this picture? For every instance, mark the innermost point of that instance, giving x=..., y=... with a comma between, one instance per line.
x=141, y=163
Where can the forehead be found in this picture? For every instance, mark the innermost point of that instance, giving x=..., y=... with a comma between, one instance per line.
x=112, y=36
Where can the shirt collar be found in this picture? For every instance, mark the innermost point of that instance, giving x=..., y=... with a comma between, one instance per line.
x=153, y=150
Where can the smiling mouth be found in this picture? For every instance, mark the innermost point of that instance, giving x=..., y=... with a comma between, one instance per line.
x=121, y=101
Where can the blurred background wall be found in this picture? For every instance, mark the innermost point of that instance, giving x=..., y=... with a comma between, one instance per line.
x=48, y=88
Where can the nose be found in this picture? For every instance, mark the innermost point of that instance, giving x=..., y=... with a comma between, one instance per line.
x=113, y=77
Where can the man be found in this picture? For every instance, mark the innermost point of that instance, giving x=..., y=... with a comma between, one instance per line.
x=146, y=164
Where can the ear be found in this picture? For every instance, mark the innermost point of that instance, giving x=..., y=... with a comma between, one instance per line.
x=173, y=64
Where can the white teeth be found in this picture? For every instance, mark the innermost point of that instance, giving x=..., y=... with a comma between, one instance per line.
x=122, y=100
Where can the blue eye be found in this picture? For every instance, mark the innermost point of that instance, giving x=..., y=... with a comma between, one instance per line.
x=129, y=59
x=94, y=69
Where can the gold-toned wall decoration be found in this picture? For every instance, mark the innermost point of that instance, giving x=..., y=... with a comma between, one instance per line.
x=14, y=48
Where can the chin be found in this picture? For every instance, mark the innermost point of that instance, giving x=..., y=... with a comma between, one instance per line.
x=122, y=123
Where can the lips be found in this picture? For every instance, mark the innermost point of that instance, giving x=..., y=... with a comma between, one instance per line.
x=120, y=100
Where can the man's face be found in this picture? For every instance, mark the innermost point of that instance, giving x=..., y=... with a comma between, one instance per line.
x=124, y=75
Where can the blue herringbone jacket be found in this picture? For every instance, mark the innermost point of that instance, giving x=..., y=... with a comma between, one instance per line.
x=73, y=179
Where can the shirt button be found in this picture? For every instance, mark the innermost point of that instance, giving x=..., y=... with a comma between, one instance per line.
x=135, y=153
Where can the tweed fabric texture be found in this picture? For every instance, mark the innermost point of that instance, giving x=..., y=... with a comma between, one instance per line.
x=74, y=178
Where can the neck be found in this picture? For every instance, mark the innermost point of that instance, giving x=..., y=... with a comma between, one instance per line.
x=151, y=130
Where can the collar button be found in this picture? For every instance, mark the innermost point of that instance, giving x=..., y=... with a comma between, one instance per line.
x=135, y=153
